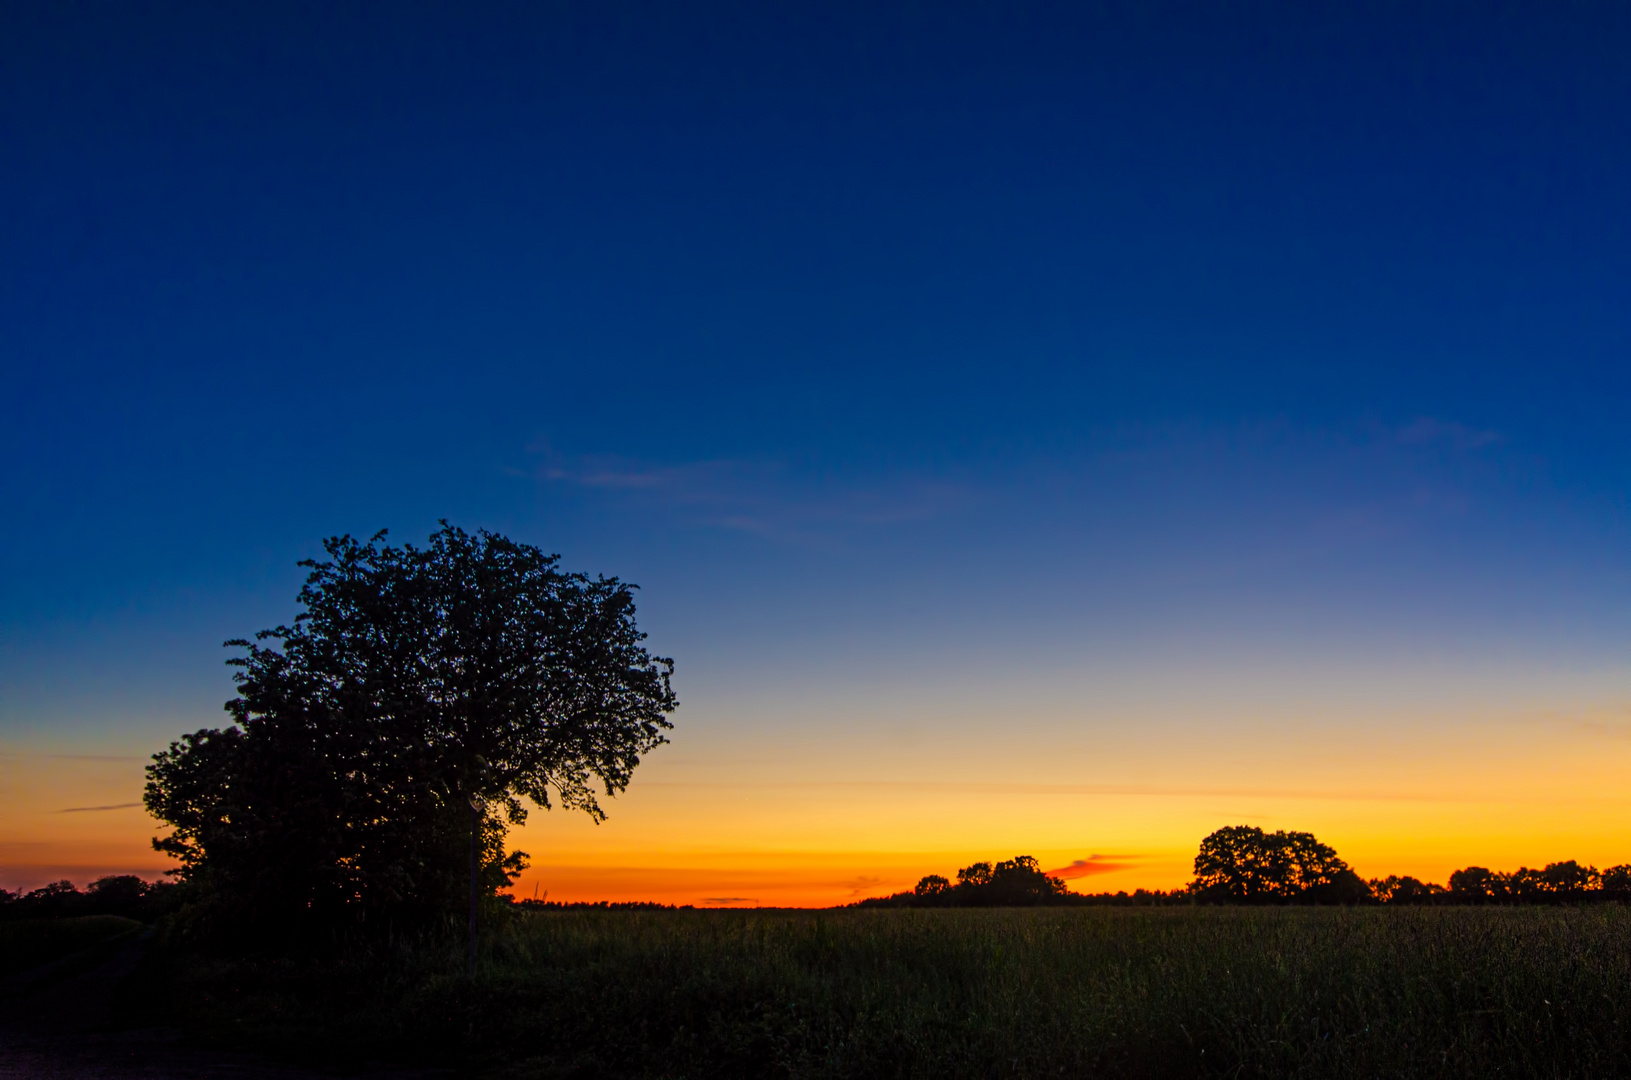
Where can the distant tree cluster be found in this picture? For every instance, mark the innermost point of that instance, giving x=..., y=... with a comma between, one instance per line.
x=1242, y=864
x=1016, y=882
x=381, y=745
x=119, y=894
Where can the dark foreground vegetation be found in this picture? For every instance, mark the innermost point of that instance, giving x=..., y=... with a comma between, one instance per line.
x=1194, y=991
x=29, y=943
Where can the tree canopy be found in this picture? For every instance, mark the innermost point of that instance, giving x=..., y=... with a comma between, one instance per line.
x=1243, y=864
x=414, y=685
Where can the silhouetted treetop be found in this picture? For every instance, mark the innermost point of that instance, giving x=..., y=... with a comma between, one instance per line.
x=475, y=647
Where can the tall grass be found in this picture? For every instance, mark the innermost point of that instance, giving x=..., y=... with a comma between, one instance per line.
x=1426, y=992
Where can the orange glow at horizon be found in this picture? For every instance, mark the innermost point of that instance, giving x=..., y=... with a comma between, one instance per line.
x=727, y=817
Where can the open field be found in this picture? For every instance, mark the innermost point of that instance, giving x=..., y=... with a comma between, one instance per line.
x=1309, y=992
x=28, y=943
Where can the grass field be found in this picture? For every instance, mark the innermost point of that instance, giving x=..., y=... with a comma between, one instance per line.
x=1425, y=992
x=28, y=943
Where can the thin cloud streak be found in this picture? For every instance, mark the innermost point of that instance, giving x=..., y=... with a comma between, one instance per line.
x=1427, y=430
x=98, y=809
x=862, y=885
x=115, y=758
x=1093, y=864
x=763, y=499
x=1152, y=791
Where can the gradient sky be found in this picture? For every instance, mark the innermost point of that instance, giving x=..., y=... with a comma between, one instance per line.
x=1053, y=429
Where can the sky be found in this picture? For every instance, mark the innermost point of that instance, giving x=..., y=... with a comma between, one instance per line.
x=1034, y=429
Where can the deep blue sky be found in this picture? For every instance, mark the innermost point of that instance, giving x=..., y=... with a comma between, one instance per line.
x=855, y=335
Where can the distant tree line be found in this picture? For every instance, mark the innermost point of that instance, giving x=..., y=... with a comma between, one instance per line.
x=1242, y=864
x=119, y=894
x=1558, y=883
x=600, y=905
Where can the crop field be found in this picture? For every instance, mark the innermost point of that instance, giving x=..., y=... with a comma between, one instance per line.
x=1307, y=992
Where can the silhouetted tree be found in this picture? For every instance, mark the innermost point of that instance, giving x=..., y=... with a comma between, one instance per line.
x=1561, y=882
x=57, y=900
x=418, y=697
x=932, y=885
x=973, y=877
x=1020, y=881
x=1238, y=863
x=1478, y=885
x=1013, y=882
x=1527, y=886
x=116, y=894
x=1569, y=881
x=1616, y=883
x=1243, y=864
x=1405, y=890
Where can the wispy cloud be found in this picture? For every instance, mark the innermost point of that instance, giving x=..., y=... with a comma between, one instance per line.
x=1426, y=430
x=1159, y=791
x=1611, y=721
x=861, y=886
x=1093, y=864
x=730, y=900
x=98, y=809
x=763, y=498
x=72, y=757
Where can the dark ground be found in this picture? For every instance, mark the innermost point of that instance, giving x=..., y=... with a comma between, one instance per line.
x=58, y=1021
x=1424, y=993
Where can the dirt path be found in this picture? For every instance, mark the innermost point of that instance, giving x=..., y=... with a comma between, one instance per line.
x=56, y=1025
